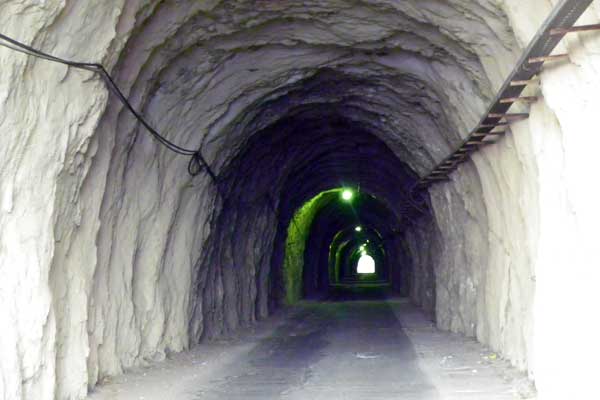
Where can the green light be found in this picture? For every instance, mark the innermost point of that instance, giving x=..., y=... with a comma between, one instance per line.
x=358, y=228
x=362, y=249
x=347, y=194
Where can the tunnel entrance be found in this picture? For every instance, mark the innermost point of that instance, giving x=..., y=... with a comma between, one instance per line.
x=341, y=240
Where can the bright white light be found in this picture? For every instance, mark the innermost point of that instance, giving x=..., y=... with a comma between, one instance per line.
x=347, y=194
x=366, y=265
x=358, y=228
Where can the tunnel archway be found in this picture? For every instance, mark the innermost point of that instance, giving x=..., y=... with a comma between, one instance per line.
x=345, y=250
x=325, y=238
x=386, y=269
x=124, y=258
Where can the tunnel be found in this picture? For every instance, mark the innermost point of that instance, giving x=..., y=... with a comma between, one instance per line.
x=346, y=224
x=176, y=174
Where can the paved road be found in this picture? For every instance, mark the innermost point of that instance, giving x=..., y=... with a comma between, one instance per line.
x=330, y=350
x=339, y=348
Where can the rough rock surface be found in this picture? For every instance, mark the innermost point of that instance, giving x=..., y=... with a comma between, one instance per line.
x=111, y=256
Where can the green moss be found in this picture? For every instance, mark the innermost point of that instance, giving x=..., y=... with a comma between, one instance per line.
x=297, y=235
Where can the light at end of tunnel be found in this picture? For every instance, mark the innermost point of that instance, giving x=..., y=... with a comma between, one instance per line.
x=347, y=194
x=366, y=265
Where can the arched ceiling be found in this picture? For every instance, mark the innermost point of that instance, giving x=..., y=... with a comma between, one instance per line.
x=412, y=73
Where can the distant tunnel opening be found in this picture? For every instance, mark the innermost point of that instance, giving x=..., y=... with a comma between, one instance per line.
x=329, y=234
x=365, y=265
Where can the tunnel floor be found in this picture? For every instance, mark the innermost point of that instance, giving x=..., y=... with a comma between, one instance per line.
x=382, y=348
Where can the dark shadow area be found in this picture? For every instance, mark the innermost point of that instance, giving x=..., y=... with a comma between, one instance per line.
x=360, y=291
x=340, y=232
x=292, y=152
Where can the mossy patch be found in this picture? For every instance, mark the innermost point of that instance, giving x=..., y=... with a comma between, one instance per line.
x=297, y=236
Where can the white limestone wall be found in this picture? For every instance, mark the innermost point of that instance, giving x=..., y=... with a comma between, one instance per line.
x=518, y=268
x=96, y=252
x=101, y=230
x=47, y=145
x=567, y=266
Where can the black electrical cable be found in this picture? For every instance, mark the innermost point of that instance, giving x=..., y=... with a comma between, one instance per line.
x=197, y=162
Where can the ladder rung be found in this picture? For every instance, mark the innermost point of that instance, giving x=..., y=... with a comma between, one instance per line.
x=580, y=28
x=558, y=57
x=493, y=125
x=509, y=116
x=523, y=83
x=528, y=99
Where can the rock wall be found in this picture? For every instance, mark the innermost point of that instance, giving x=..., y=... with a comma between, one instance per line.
x=112, y=256
x=516, y=265
x=45, y=229
x=565, y=263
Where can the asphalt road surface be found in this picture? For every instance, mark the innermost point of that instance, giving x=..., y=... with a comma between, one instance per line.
x=355, y=344
x=333, y=350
